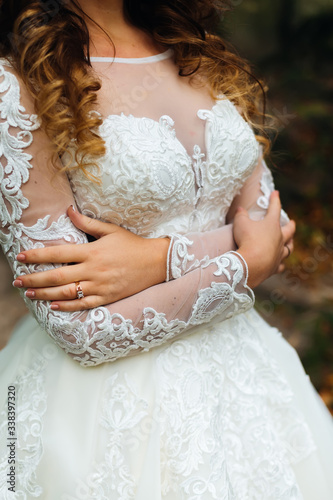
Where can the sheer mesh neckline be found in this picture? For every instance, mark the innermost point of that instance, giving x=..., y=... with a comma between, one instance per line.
x=135, y=60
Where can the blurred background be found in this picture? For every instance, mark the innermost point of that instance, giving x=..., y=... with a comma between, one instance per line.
x=290, y=44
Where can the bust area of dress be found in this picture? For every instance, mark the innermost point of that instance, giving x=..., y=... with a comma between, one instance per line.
x=175, y=157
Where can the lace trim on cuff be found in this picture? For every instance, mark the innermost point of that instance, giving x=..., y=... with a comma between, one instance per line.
x=178, y=256
x=246, y=273
x=169, y=257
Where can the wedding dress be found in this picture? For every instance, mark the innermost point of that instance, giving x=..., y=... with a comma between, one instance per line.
x=181, y=391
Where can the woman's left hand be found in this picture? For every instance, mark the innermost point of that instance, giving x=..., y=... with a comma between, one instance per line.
x=118, y=264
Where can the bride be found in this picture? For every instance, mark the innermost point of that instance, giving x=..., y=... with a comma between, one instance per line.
x=137, y=215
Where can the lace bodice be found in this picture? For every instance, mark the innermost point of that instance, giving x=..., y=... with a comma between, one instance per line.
x=176, y=164
x=156, y=186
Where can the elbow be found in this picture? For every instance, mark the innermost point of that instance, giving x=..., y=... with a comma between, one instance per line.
x=87, y=337
x=70, y=334
x=75, y=342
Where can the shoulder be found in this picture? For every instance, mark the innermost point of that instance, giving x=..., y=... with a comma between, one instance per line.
x=8, y=78
x=16, y=135
x=4, y=61
x=7, y=74
x=16, y=105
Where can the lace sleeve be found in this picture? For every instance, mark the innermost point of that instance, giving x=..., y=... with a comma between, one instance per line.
x=254, y=195
x=188, y=252
x=33, y=203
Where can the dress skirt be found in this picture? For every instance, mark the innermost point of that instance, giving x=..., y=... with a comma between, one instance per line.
x=224, y=412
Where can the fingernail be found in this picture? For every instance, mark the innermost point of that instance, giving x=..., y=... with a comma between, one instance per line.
x=21, y=257
x=17, y=283
x=55, y=307
x=73, y=208
x=30, y=294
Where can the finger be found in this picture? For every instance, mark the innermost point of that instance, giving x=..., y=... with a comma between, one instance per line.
x=274, y=208
x=55, y=277
x=288, y=231
x=88, y=302
x=281, y=268
x=59, y=254
x=55, y=293
x=288, y=249
x=291, y=241
x=90, y=226
x=286, y=252
x=290, y=244
x=241, y=212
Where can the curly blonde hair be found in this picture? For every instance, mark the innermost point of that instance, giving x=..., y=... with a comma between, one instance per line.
x=48, y=44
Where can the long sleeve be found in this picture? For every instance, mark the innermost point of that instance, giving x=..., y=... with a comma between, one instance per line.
x=254, y=195
x=34, y=199
x=188, y=252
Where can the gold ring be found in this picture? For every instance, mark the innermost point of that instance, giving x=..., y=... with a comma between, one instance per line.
x=79, y=291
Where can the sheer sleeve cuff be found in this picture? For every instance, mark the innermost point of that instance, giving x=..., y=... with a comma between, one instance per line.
x=192, y=251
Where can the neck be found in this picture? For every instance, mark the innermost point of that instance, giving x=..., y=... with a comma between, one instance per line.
x=128, y=40
x=109, y=14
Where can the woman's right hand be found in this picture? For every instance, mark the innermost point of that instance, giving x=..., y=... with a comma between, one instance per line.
x=264, y=244
x=116, y=265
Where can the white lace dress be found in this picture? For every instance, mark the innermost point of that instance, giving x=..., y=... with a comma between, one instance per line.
x=181, y=391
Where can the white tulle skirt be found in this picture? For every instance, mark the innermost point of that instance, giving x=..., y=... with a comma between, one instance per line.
x=225, y=412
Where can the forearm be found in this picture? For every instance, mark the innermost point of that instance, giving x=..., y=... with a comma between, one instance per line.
x=190, y=251
x=152, y=317
x=255, y=195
